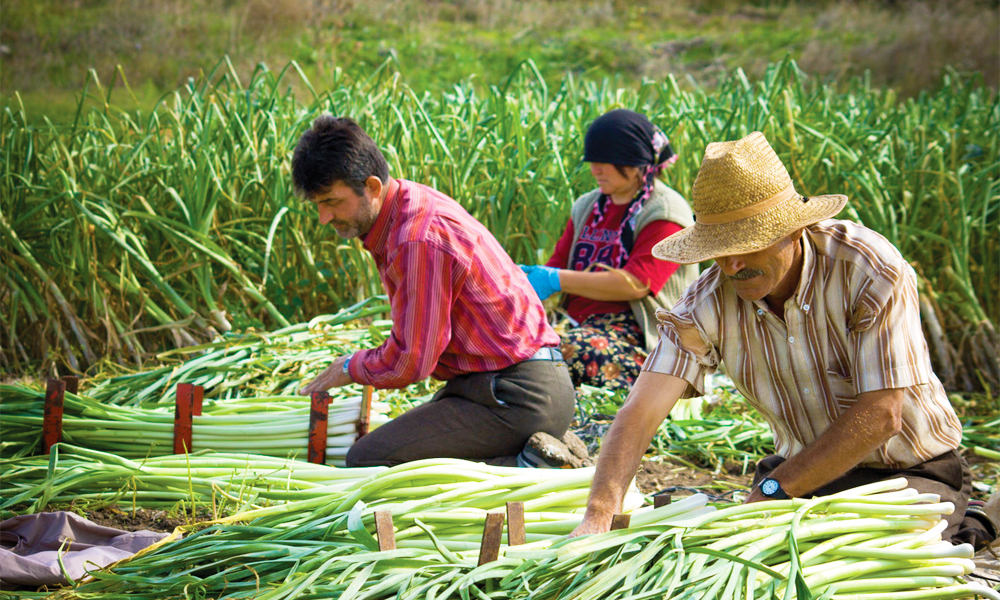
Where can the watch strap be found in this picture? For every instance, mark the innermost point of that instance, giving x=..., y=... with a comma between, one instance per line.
x=776, y=491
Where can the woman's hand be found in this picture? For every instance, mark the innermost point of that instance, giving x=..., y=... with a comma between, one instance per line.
x=544, y=280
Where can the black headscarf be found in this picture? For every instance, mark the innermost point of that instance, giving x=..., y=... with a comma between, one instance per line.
x=626, y=138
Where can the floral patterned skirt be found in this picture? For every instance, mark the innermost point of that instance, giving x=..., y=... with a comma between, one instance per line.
x=605, y=350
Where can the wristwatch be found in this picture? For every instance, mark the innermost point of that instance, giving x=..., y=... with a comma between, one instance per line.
x=347, y=364
x=772, y=489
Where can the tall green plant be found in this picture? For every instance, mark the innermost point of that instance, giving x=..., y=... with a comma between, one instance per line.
x=128, y=233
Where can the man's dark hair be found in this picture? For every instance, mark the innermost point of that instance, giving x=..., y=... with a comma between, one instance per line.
x=336, y=149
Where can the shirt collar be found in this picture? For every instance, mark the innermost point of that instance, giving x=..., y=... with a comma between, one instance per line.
x=374, y=241
x=804, y=291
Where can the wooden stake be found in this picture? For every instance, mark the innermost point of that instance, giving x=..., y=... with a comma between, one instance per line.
x=515, y=523
x=55, y=393
x=365, y=416
x=317, y=427
x=183, y=409
x=489, y=549
x=384, y=530
x=661, y=500
x=72, y=383
x=620, y=521
x=199, y=395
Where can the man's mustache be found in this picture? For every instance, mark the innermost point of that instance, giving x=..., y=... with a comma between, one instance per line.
x=744, y=274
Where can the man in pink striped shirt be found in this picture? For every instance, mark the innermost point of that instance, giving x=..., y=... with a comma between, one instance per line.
x=462, y=312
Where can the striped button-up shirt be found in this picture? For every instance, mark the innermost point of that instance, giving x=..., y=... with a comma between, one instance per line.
x=459, y=303
x=852, y=326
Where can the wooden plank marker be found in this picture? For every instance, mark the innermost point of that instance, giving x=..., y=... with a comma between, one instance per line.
x=620, y=521
x=183, y=409
x=317, y=427
x=365, y=416
x=199, y=396
x=515, y=523
x=72, y=383
x=55, y=392
x=384, y=530
x=661, y=500
x=489, y=549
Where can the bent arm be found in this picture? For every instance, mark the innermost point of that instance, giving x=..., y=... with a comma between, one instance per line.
x=652, y=397
x=421, y=319
x=874, y=419
x=641, y=274
x=612, y=286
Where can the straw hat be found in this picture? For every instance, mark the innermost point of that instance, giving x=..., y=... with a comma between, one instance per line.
x=743, y=201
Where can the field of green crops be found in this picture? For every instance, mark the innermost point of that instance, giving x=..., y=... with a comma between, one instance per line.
x=126, y=234
x=142, y=249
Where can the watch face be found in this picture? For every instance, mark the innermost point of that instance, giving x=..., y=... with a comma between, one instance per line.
x=769, y=487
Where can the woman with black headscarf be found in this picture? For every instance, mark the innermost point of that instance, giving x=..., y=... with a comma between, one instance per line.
x=603, y=261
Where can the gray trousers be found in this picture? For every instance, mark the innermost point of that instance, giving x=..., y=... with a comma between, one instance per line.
x=946, y=475
x=485, y=417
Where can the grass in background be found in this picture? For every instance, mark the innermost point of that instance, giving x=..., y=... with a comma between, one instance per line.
x=127, y=233
x=48, y=45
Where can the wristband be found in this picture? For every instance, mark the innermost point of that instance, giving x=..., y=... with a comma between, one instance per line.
x=347, y=364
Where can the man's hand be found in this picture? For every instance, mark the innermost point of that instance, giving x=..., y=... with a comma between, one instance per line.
x=593, y=522
x=755, y=495
x=649, y=402
x=331, y=377
x=544, y=280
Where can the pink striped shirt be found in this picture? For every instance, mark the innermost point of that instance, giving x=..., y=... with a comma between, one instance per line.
x=852, y=326
x=459, y=303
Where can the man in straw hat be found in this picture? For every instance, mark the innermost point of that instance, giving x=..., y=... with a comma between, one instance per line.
x=817, y=323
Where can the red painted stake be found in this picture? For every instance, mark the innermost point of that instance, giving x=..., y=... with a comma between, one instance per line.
x=55, y=392
x=183, y=409
x=317, y=427
x=72, y=383
x=199, y=395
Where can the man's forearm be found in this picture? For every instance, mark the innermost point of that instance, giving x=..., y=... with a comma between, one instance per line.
x=870, y=423
x=649, y=402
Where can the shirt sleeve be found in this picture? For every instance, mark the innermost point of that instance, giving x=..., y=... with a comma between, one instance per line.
x=886, y=341
x=643, y=265
x=421, y=319
x=683, y=349
x=560, y=256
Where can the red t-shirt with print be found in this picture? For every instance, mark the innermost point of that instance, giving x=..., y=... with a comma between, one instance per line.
x=598, y=244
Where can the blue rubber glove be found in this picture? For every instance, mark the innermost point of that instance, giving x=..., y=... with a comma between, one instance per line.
x=545, y=280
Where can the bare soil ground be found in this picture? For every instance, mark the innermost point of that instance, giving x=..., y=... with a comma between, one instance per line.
x=671, y=477
x=125, y=519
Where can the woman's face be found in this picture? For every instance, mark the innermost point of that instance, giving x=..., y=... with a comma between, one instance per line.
x=613, y=183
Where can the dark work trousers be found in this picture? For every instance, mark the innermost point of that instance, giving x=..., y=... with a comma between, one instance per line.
x=485, y=417
x=946, y=475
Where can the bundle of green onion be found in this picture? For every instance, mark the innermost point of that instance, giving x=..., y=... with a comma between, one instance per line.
x=252, y=363
x=271, y=425
x=877, y=542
